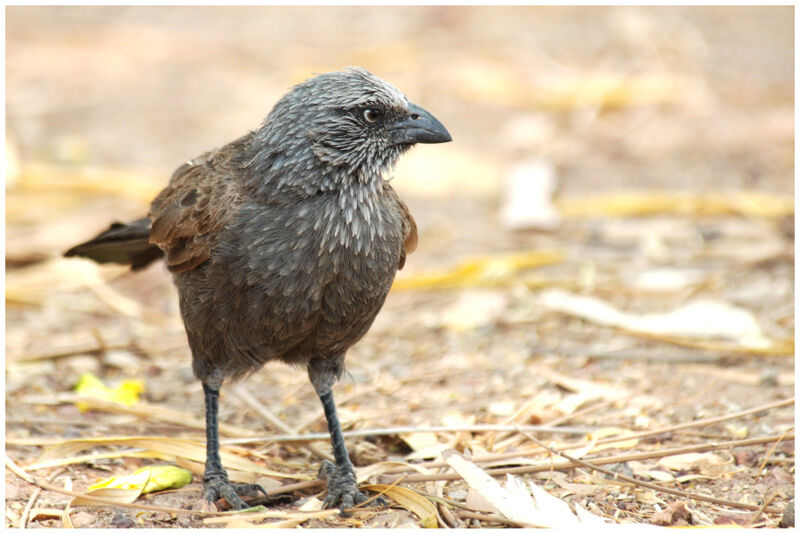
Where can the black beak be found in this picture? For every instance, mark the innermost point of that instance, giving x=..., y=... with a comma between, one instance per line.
x=419, y=127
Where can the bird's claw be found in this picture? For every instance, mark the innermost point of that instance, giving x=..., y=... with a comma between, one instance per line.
x=217, y=488
x=342, y=487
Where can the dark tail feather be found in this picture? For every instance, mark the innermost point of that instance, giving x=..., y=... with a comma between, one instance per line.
x=127, y=244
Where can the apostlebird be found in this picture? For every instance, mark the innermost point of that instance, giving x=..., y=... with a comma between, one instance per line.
x=283, y=246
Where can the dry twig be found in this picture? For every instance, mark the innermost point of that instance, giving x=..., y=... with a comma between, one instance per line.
x=642, y=483
x=567, y=464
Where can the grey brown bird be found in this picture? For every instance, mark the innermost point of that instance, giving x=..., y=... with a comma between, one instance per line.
x=283, y=246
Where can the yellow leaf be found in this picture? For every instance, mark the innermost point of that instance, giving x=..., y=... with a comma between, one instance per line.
x=149, y=479
x=126, y=393
x=136, y=183
x=480, y=271
x=638, y=203
x=411, y=501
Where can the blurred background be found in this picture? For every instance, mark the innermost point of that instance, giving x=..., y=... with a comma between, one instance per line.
x=636, y=159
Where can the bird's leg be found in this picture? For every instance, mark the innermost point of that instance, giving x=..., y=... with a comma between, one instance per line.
x=341, y=477
x=215, y=479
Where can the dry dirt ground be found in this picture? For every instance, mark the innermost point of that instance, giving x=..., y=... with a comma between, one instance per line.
x=102, y=104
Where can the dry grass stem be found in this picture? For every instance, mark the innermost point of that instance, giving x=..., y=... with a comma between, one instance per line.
x=567, y=464
x=644, y=484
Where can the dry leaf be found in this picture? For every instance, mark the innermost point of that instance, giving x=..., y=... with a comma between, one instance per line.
x=706, y=463
x=411, y=501
x=478, y=502
x=674, y=514
x=699, y=319
x=661, y=476
x=149, y=479
x=513, y=501
x=122, y=496
x=311, y=505
x=420, y=440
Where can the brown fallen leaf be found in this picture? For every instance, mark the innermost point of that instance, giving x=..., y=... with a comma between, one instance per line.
x=676, y=514
x=706, y=463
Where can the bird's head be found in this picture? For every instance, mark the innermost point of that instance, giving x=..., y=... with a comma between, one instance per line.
x=348, y=123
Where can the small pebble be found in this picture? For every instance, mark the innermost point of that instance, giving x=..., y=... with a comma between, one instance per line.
x=122, y=520
x=82, y=519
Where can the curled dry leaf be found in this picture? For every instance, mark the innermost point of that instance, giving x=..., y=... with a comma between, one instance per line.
x=411, y=501
x=122, y=496
x=674, y=514
x=706, y=463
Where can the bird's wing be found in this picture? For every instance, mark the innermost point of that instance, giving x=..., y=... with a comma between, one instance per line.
x=188, y=215
x=409, y=225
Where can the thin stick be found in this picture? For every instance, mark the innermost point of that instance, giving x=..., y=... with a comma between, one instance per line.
x=447, y=517
x=288, y=488
x=559, y=466
x=692, y=424
x=23, y=522
x=494, y=519
x=85, y=348
x=642, y=483
x=604, y=441
x=403, y=430
x=243, y=393
x=145, y=410
x=17, y=470
x=761, y=509
x=23, y=519
x=770, y=451
x=444, y=500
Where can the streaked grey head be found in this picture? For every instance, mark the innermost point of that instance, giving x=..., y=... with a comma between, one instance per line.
x=347, y=125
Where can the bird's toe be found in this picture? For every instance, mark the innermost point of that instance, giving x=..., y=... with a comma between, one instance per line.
x=216, y=489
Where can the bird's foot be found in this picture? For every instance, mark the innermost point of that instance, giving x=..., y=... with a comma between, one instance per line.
x=342, y=487
x=217, y=488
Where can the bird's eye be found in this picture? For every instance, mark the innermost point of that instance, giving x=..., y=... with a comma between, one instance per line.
x=371, y=115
